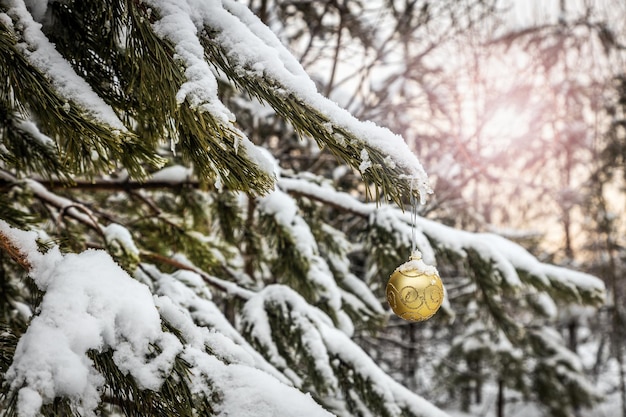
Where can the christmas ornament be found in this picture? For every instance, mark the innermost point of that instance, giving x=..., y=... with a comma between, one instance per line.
x=414, y=290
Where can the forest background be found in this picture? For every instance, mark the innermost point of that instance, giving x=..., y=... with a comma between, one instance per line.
x=516, y=111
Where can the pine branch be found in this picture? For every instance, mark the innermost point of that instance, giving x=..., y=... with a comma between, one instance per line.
x=390, y=179
x=86, y=144
x=180, y=108
x=63, y=205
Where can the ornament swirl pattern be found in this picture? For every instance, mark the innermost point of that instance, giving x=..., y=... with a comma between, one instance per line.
x=414, y=295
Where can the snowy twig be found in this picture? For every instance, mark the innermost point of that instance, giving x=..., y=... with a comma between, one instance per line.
x=64, y=205
x=226, y=286
x=115, y=185
x=87, y=217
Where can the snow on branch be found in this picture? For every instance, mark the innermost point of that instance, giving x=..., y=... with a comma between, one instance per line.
x=186, y=303
x=512, y=262
x=200, y=89
x=246, y=50
x=178, y=23
x=284, y=211
x=41, y=53
x=90, y=304
x=324, y=353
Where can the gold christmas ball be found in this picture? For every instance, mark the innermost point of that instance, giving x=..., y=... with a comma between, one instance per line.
x=414, y=290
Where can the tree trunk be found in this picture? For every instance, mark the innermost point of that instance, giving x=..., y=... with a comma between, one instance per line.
x=410, y=357
x=500, y=403
x=572, y=328
x=619, y=354
x=474, y=366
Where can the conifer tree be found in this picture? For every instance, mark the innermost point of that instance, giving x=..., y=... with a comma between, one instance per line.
x=157, y=260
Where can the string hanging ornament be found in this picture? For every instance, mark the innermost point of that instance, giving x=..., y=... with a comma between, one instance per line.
x=414, y=291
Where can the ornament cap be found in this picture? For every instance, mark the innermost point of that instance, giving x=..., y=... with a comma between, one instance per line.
x=415, y=291
x=416, y=255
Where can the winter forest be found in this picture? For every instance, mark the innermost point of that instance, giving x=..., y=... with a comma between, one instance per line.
x=202, y=201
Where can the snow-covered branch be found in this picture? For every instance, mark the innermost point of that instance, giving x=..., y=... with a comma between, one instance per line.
x=512, y=263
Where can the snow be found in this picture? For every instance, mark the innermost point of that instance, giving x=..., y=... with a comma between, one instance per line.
x=415, y=263
x=366, y=163
x=119, y=235
x=175, y=174
x=32, y=129
x=247, y=392
x=326, y=193
x=547, y=305
x=575, y=279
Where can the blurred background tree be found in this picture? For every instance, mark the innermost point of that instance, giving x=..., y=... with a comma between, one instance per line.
x=513, y=107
